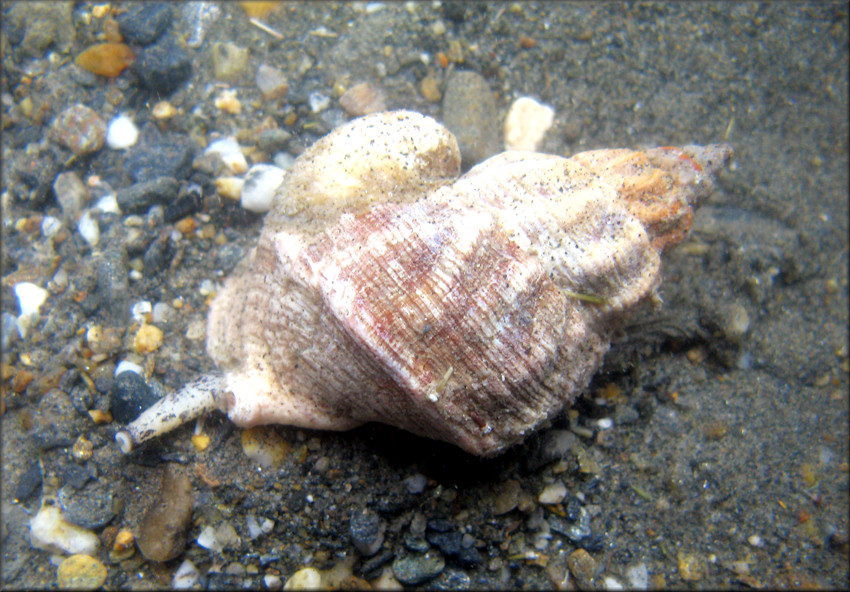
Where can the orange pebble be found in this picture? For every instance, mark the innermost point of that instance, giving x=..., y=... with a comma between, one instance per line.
x=106, y=59
x=443, y=59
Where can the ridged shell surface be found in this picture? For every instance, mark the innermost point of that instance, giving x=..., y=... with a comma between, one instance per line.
x=468, y=309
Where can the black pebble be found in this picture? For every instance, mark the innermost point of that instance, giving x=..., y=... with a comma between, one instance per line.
x=137, y=198
x=144, y=23
x=129, y=397
x=163, y=67
x=29, y=482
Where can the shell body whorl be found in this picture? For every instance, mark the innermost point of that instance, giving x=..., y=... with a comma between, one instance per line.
x=468, y=310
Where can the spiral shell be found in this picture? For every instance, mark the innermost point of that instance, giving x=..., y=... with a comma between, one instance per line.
x=470, y=309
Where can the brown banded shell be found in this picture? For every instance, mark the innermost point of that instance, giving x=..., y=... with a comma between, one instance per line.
x=469, y=309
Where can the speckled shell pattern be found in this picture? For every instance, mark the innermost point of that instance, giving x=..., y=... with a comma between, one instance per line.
x=469, y=310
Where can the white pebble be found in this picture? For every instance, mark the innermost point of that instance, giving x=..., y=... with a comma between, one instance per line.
x=307, y=578
x=50, y=226
x=638, y=577
x=267, y=525
x=122, y=133
x=606, y=423
x=162, y=313
x=416, y=483
x=318, y=101
x=30, y=298
x=141, y=310
x=89, y=228
x=186, y=576
x=270, y=81
x=755, y=540
x=283, y=160
x=273, y=582
x=208, y=540
x=125, y=366
x=230, y=152
x=254, y=529
x=108, y=204
x=50, y=530
x=526, y=124
x=553, y=493
x=612, y=583
x=261, y=182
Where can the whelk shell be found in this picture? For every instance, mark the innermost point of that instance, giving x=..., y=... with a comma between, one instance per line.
x=471, y=310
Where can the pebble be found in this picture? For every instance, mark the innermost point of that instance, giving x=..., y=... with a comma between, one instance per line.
x=88, y=228
x=9, y=329
x=451, y=579
x=70, y=193
x=30, y=298
x=272, y=582
x=81, y=572
x=367, y=531
x=228, y=102
x=139, y=197
x=143, y=23
x=229, y=61
x=169, y=157
x=106, y=59
x=28, y=483
x=231, y=154
x=553, y=493
x=362, y=99
x=638, y=577
x=692, y=567
x=307, y=578
x=50, y=226
x=121, y=133
x=430, y=89
x=186, y=576
x=79, y=129
x=265, y=446
x=90, y=506
x=261, y=183
x=164, y=66
x=416, y=483
x=273, y=140
x=469, y=112
x=417, y=569
x=197, y=18
x=526, y=124
x=148, y=339
x=229, y=187
x=318, y=101
x=584, y=567
x=51, y=531
x=271, y=81
x=161, y=530
x=507, y=497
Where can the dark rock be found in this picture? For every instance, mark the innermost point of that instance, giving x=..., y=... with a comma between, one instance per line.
x=130, y=395
x=416, y=569
x=228, y=256
x=29, y=482
x=440, y=525
x=273, y=140
x=81, y=399
x=366, y=532
x=451, y=579
x=450, y=543
x=369, y=568
x=415, y=542
x=90, y=507
x=162, y=528
x=469, y=112
x=159, y=253
x=163, y=67
x=188, y=202
x=112, y=272
x=137, y=198
x=77, y=475
x=592, y=542
x=144, y=23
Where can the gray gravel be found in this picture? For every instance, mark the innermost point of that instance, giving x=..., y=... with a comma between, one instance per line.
x=727, y=464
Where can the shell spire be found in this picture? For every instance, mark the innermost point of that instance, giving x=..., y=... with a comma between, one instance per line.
x=471, y=310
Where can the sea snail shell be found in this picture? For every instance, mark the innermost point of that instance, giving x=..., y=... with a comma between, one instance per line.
x=471, y=310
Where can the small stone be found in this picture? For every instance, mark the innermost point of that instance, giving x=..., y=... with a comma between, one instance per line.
x=272, y=582
x=265, y=446
x=229, y=187
x=123, y=547
x=70, y=193
x=148, y=338
x=164, y=66
x=469, y=112
x=318, y=101
x=307, y=578
x=49, y=530
x=130, y=396
x=362, y=99
x=230, y=152
x=367, y=531
x=91, y=506
x=163, y=110
x=526, y=124
x=28, y=483
x=139, y=197
x=81, y=572
x=416, y=483
x=186, y=576
x=430, y=89
x=121, y=133
x=79, y=129
x=553, y=493
x=638, y=577
x=170, y=157
x=161, y=530
x=82, y=449
x=417, y=569
x=228, y=102
x=229, y=61
x=273, y=140
x=271, y=82
x=692, y=567
x=261, y=183
x=451, y=579
x=143, y=23
x=30, y=298
x=507, y=497
x=89, y=229
x=584, y=567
